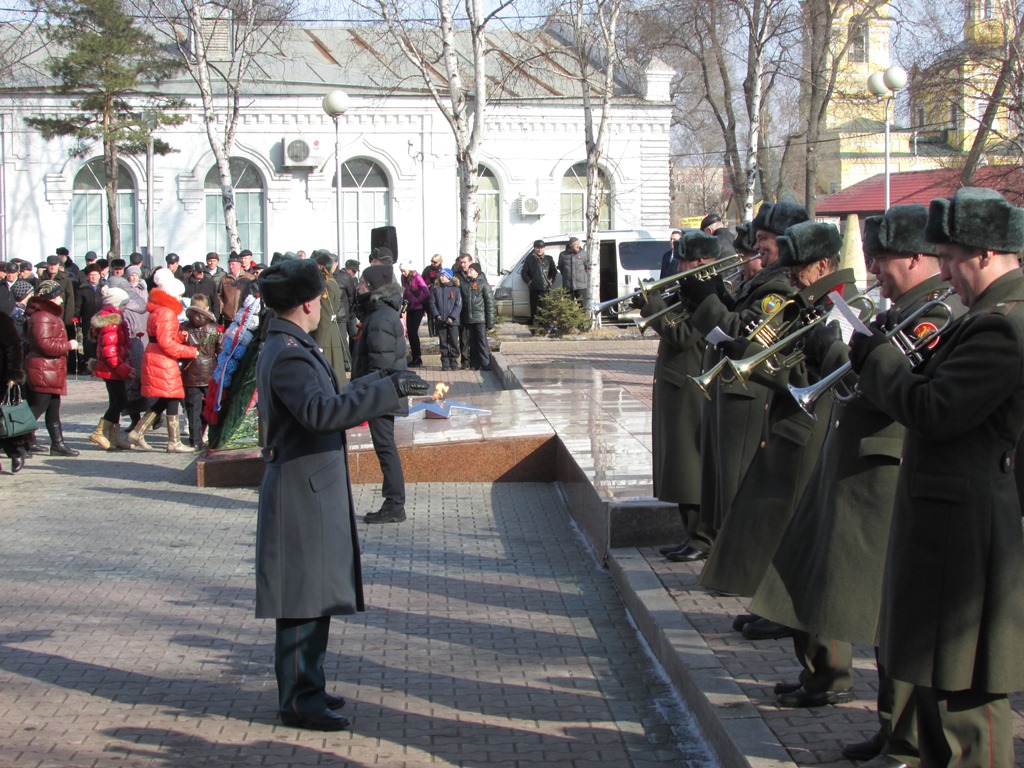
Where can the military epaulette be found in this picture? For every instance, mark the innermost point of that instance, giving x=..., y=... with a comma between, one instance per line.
x=1004, y=308
x=291, y=342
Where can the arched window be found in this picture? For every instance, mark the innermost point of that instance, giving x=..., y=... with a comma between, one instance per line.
x=488, y=231
x=249, y=199
x=574, y=192
x=857, y=52
x=89, y=209
x=365, y=204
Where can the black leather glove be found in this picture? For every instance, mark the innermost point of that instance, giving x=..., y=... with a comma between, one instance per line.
x=408, y=384
x=695, y=291
x=737, y=349
x=638, y=301
x=861, y=346
x=820, y=339
x=886, y=321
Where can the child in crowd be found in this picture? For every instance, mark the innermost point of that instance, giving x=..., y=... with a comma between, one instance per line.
x=445, y=307
x=201, y=330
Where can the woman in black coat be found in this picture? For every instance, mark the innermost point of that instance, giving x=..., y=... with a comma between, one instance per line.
x=381, y=347
x=12, y=372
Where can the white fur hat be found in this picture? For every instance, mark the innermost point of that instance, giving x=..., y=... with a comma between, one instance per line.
x=165, y=280
x=114, y=297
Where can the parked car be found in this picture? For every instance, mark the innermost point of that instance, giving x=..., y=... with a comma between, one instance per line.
x=626, y=257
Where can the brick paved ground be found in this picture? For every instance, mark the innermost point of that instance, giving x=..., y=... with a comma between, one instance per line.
x=811, y=736
x=127, y=638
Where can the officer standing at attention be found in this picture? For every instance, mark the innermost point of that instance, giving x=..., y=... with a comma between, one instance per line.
x=953, y=593
x=307, y=552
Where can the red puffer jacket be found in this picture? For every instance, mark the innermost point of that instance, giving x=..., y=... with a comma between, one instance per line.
x=112, y=345
x=161, y=376
x=46, y=367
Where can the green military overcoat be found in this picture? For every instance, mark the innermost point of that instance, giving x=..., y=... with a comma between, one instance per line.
x=826, y=575
x=769, y=492
x=953, y=594
x=677, y=405
x=734, y=417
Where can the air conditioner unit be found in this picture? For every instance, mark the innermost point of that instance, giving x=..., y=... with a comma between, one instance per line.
x=530, y=206
x=300, y=152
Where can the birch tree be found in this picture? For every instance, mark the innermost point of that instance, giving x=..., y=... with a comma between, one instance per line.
x=461, y=94
x=218, y=43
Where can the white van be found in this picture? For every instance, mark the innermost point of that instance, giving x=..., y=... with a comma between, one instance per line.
x=627, y=256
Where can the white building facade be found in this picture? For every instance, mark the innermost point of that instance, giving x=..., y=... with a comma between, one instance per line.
x=398, y=168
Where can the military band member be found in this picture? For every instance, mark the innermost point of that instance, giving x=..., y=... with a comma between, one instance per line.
x=677, y=404
x=826, y=576
x=790, y=439
x=733, y=419
x=953, y=592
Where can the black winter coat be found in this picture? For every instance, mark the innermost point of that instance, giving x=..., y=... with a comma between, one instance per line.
x=477, y=301
x=381, y=343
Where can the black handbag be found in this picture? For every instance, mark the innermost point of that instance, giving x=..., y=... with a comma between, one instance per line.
x=16, y=418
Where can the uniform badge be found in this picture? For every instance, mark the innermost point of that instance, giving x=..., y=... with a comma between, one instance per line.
x=770, y=303
x=923, y=329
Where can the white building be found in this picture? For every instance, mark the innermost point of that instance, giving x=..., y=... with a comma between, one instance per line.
x=397, y=152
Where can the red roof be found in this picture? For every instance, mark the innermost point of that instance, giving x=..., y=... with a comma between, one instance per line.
x=867, y=198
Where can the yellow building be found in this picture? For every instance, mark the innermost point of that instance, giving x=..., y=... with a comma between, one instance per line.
x=947, y=100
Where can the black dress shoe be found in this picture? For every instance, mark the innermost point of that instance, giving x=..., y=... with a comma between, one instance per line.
x=673, y=547
x=801, y=697
x=786, y=688
x=763, y=629
x=334, y=702
x=743, y=619
x=324, y=721
x=17, y=462
x=864, y=750
x=385, y=515
x=687, y=554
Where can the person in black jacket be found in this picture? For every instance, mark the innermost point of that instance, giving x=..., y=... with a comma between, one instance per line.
x=538, y=273
x=445, y=313
x=381, y=350
x=199, y=283
x=478, y=311
x=87, y=303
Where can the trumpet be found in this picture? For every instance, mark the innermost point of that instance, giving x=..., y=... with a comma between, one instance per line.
x=745, y=367
x=704, y=272
x=764, y=332
x=911, y=346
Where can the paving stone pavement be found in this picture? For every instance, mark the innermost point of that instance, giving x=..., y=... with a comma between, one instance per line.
x=492, y=636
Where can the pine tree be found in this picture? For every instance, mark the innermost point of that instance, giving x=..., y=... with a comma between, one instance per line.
x=106, y=63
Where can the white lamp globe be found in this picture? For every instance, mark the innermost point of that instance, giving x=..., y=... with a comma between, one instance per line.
x=335, y=103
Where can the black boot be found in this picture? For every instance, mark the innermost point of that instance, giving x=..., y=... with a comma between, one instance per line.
x=57, y=446
x=33, y=444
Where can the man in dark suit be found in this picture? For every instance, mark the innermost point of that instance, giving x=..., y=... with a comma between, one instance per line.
x=953, y=593
x=307, y=565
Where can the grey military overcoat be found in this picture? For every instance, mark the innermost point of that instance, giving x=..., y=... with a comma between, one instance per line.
x=307, y=550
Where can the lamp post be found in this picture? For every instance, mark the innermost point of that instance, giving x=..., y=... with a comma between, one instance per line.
x=149, y=117
x=335, y=103
x=885, y=85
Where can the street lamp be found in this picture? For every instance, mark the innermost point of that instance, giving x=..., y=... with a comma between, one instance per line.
x=335, y=103
x=149, y=119
x=885, y=85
